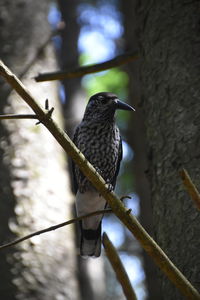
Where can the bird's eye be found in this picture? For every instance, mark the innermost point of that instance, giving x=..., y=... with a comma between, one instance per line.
x=104, y=101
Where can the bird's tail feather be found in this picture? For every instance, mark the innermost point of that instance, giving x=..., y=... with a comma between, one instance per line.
x=90, y=242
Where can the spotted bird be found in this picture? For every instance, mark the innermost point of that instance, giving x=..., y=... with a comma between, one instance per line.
x=98, y=138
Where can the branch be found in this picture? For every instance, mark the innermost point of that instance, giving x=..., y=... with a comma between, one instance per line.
x=79, y=72
x=103, y=211
x=23, y=116
x=118, y=267
x=190, y=187
x=150, y=246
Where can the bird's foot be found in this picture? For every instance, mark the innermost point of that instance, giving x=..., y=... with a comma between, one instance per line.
x=109, y=185
x=98, y=171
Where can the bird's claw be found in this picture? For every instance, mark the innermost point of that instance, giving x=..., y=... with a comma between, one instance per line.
x=98, y=171
x=109, y=186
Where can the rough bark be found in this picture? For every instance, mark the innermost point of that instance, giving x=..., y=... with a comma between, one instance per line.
x=170, y=98
x=34, y=187
x=69, y=58
x=136, y=136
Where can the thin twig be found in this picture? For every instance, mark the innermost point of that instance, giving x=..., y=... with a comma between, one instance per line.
x=150, y=246
x=103, y=211
x=118, y=267
x=19, y=116
x=79, y=72
x=190, y=187
x=125, y=197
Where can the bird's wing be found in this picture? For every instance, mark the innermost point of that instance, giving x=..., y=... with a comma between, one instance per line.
x=120, y=153
x=75, y=183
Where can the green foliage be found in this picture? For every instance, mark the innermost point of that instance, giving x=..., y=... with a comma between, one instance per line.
x=84, y=59
x=114, y=80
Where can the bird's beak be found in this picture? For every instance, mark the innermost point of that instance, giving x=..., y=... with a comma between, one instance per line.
x=123, y=106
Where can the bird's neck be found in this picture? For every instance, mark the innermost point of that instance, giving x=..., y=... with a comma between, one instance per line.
x=106, y=117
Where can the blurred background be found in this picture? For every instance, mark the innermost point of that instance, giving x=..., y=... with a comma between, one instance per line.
x=159, y=138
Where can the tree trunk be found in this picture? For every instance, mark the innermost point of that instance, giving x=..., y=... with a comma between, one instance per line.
x=170, y=75
x=90, y=272
x=91, y=283
x=74, y=103
x=34, y=186
x=137, y=138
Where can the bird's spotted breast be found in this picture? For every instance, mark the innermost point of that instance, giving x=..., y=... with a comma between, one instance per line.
x=100, y=144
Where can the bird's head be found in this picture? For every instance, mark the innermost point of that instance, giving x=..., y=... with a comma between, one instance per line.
x=102, y=107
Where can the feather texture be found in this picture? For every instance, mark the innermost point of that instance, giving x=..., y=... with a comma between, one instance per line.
x=98, y=138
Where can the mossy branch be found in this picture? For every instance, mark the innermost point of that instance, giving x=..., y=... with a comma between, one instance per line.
x=18, y=116
x=150, y=246
x=118, y=267
x=54, y=227
x=79, y=72
x=190, y=187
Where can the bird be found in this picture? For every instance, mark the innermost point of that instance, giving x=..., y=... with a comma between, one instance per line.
x=98, y=138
